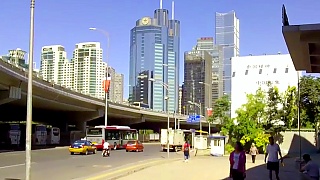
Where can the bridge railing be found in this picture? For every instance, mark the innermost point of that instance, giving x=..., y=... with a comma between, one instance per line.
x=38, y=78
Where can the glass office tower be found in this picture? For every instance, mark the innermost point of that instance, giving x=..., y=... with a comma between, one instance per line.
x=227, y=35
x=154, y=54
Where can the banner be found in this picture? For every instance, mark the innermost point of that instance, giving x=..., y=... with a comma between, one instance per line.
x=106, y=84
x=209, y=112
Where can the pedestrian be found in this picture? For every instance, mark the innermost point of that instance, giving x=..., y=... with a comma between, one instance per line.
x=310, y=169
x=186, y=151
x=273, y=150
x=253, y=152
x=238, y=163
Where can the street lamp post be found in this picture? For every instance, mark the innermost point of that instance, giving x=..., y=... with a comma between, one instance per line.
x=168, y=114
x=107, y=71
x=29, y=94
x=199, y=106
x=175, y=103
x=209, y=106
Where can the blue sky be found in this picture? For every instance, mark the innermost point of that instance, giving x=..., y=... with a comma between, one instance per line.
x=66, y=22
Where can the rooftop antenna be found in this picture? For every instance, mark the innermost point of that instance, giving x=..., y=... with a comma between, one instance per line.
x=160, y=4
x=172, y=13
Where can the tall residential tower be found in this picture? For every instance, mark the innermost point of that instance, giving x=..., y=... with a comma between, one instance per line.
x=154, y=54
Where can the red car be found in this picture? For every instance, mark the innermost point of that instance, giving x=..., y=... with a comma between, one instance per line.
x=134, y=145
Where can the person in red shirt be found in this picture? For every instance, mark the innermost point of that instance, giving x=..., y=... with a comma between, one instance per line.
x=186, y=151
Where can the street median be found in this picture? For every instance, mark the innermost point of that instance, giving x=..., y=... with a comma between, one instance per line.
x=126, y=170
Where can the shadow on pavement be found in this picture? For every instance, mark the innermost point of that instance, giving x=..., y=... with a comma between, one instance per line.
x=290, y=168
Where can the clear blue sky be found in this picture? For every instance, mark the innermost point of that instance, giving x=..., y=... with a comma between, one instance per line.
x=66, y=22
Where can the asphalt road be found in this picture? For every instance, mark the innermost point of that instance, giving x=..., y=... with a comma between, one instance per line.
x=59, y=164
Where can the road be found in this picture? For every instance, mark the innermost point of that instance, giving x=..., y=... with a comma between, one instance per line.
x=59, y=164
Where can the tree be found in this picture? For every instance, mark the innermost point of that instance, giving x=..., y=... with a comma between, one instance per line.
x=289, y=108
x=220, y=110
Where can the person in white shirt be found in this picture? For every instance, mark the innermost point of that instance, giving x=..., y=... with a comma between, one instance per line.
x=311, y=169
x=273, y=150
x=105, y=147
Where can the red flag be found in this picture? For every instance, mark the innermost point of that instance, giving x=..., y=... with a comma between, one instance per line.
x=106, y=84
x=209, y=111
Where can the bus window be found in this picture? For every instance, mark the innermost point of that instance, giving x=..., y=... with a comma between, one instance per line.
x=14, y=127
x=94, y=131
x=41, y=128
x=55, y=132
x=112, y=135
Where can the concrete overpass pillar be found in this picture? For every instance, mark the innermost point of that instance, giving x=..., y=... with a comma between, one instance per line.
x=10, y=95
x=81, y=126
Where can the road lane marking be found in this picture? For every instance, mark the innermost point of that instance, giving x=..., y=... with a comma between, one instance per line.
x=14, y=165
x=126, y=169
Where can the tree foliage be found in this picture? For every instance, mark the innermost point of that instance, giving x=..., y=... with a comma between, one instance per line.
x=220, y=109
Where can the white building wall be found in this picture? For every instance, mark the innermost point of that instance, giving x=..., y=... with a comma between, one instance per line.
x=251, y=72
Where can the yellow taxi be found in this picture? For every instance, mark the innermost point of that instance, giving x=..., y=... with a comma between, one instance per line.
x=82, y=147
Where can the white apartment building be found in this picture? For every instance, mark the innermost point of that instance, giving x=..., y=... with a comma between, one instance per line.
x=118, y=87
x=88, y=69
x=53, y=62
x=251, y=72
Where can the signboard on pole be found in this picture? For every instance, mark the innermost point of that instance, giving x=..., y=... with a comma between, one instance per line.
x=209, y=112
x=193, y=118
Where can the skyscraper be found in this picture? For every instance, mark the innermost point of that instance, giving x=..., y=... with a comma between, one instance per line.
x=216, y=52
x=88, y=69
x=197, y=70
x=227, y=35
x=53, y=63
x=154, y=53
x=116, y=85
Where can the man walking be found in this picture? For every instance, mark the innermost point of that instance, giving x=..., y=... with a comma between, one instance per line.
x=273, y=150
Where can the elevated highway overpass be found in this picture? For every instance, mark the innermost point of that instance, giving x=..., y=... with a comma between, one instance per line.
x=59, y=105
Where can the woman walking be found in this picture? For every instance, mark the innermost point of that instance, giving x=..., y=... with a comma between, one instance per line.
x=253, y=152
x=238, y=163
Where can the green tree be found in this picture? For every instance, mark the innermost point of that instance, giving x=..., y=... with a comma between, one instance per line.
x=273, y=113
x=289, y=108
x=220, y=110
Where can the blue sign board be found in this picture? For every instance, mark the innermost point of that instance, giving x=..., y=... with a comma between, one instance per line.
x=193, y=118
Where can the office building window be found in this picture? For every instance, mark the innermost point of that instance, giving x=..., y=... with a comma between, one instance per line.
x=233, y=74
x=275, y=70
x=246, y=73
x=260, y=71
x=287, y=70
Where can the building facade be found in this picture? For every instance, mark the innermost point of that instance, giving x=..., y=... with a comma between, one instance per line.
x=227, y=35
x=154, y=54
x=16, y=57
x=197, y=71
x=216, y=52
x=118, y=87
x=53, y=64
x=180, y=108
x=250, y=73
x=88, y=69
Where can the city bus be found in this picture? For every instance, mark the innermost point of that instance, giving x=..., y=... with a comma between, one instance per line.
x=15, y=134
x=116, y=136
x=39, y=134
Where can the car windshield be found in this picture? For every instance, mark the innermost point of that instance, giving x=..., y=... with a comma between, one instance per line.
x=131, y=142
x=79, y=142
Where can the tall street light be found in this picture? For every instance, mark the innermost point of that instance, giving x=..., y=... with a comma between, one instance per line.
x=29, y=94
x=107, y=71
x=175, y=103
x=167, y=104
x=199, y=106
x=209, y=106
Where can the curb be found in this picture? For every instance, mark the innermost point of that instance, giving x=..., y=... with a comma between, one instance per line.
x=114, y=174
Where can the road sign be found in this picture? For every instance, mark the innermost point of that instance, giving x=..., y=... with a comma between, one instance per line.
x=193, y=118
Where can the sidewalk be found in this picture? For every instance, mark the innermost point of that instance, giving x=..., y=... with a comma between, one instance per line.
x=207, y=167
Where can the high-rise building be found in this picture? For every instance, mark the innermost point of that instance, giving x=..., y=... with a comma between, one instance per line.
x=118, y=87
x=112, y=74
x=197, y=71
x=154, y=53
x=216, y=52
x=16, y=57
x=53, y=63
x=227, y=35
x=180, y=108
x=88, y=69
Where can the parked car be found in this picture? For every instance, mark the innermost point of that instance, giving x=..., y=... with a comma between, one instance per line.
x=82, y=147
x=134, y=145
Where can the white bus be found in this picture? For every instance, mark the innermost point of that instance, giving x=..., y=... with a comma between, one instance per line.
x=53, y=135
x=15, y=134
x=40, y=134
x=117, y=136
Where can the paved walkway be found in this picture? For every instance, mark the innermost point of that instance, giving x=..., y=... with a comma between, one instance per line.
x=207, y=167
